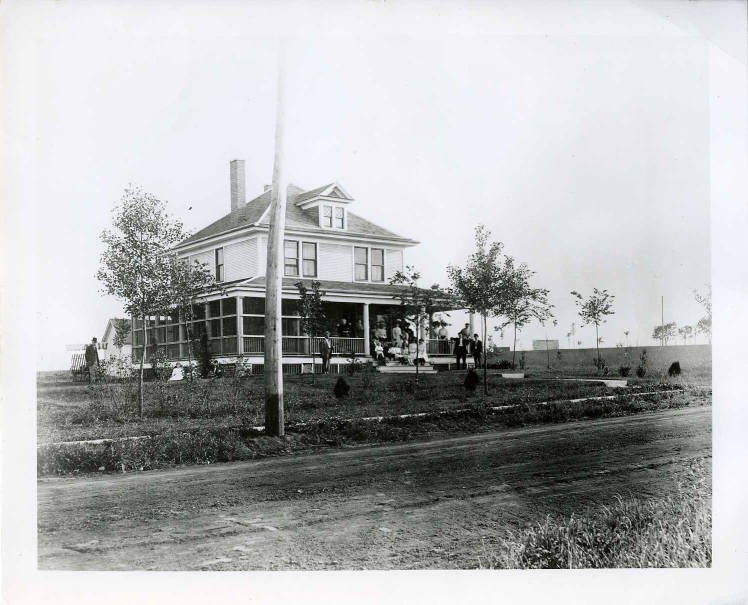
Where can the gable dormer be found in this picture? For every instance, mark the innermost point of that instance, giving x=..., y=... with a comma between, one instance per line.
x=330, y=202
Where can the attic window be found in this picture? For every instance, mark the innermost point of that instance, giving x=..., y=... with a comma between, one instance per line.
x=333, y=217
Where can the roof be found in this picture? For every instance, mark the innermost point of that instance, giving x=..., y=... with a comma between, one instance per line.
x=253, y=213
x=363, y=288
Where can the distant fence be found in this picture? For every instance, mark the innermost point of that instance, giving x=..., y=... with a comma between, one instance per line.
x=694, y=357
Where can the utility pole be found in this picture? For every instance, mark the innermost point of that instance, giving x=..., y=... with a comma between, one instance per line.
x=273, y=372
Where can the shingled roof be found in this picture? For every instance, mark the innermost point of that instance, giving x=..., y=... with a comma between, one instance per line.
x=253, y=214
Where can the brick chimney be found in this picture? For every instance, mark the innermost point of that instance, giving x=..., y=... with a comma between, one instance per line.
x=238, y=189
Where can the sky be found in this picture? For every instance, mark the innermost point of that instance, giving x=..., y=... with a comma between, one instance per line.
x=580, y=134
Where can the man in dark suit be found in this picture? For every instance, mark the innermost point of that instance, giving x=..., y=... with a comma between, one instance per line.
x=460, y=351
x=325, y=351
x=476, y=349
x=92, y=360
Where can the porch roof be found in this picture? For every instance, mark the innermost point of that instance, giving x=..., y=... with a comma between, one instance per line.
x=336, y=287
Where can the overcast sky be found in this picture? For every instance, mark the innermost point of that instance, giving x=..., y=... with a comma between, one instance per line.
x=579, y=134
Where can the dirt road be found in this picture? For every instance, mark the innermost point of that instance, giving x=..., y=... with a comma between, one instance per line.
x=436, y=504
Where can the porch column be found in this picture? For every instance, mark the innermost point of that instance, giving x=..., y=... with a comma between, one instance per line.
x=472, y=323
x=239, y=326
x=367, y=344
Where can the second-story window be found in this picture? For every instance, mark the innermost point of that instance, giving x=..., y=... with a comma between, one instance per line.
x=327, y=216
x=361, y=260
x=377, y=264
x=309, y=259
x=291, y=256
x=339, y=218
x=219, y=264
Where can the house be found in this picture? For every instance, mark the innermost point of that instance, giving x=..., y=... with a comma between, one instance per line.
x=325, y=240
x=108, y=345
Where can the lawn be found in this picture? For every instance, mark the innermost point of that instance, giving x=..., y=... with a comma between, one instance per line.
x=69, y=412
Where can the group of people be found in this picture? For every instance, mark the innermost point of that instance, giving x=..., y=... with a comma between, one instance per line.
x=464, y=344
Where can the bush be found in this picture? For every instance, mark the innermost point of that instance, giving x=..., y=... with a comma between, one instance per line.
x=674, y=369
x=471, y=380
x=641, y=371
x=624, y=370
x=504, y=364
x=342, y=388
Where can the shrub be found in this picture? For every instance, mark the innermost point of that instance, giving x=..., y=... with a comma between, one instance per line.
x=624, y=370
x=642, y=369
x=471, y=380
x=674, y=369
x=504, y=364
x=342, y=388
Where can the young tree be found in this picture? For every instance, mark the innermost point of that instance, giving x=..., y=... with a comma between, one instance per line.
x=312, y=313
x=417, y=304
x=704, y=325
x=136, y=266
x=189, y=283
x=593, y=310
x=685, y=333
x=523, y=303
x=664, y=332
x=482, y=283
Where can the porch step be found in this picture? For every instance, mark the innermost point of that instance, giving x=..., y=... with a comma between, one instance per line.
x=402, y=369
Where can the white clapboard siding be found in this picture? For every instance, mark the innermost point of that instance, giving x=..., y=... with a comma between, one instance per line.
x=262, y=255
x=393, y=262
x=240, y=260
x=335, y=262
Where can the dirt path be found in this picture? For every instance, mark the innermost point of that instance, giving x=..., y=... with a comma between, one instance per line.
x=439, y=504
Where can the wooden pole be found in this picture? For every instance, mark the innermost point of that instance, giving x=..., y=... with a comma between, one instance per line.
x=273, y=373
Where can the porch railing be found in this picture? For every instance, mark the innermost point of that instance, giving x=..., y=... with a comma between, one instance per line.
x=305, y=345
x=440, y=347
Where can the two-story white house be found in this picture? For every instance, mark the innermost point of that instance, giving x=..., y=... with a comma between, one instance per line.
x=351, y=257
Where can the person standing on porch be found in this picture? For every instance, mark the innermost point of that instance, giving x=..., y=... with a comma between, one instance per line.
x=92, y=360
x=344, y=328
x=397, y=334
x=476, y=349
x=460, y=351
x=325, y=351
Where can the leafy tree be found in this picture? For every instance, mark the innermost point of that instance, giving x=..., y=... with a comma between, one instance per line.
x=685, y=333
x=312, y=312
x=121, y=332
x=664, y=332
x=523, y=303
x=416, y=303
x=483, y=283
x=137, y=266
x=188, y=284
x=593, y=310
x=704, y=325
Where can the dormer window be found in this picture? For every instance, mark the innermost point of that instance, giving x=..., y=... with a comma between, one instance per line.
x=333, y=217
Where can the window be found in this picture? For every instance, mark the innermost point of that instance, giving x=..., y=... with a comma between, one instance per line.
x=327, y=216
x=219, y=264
x=291, y=262
x=361, y=260
x=253, y=306
x=339, y=214
x=377, y=264
x=309, y=259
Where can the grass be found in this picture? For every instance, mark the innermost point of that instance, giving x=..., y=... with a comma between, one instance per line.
x=206, y=443
x=71, y=412
x=674, y=531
